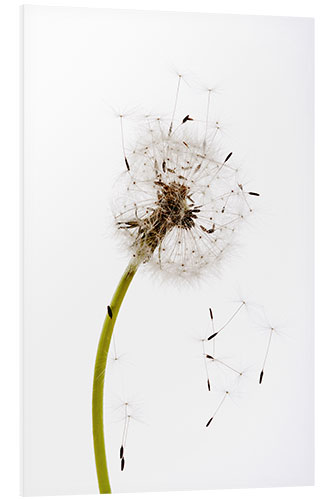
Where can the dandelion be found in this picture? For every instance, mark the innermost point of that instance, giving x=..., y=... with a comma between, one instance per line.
x=211, y=337
x=181, y=205
x=183, y=201
x=217, y=409
x=205, y=357
x=213, y=328
x=230, y=393
x=217, y=360
x=211, y=358
x=124, y=438
x=261, y=376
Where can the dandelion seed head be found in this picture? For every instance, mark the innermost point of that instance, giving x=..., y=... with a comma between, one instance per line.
x=182, y=199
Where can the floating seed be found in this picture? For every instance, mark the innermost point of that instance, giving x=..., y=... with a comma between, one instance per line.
x=187, y=118
x=261, y=376
x=227, y=158
x=209, y=421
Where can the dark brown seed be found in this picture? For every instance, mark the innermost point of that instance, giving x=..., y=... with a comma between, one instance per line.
x=187, y=118
x=261, y=376
x=209, y=421
x=253, y=194
x=121, y=451
x=163, y=165
x=227, y=158
x=110, y=312
x=211, y=313
x=208, y=384
x=122, y=464
x=185, y=144
x=209, y=356
x=212, y=336
x=127, y=164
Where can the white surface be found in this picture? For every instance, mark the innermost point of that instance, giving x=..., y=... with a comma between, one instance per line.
x=77, y=61
x=9, y=210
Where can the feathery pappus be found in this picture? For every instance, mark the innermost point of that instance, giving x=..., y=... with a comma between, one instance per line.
x=183, y=199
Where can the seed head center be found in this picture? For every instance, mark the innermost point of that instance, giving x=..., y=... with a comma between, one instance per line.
x=172, y=207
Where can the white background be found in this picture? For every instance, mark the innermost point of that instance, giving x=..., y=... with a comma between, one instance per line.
x=9, y=368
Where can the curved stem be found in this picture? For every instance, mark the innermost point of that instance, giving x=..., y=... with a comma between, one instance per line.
x=99, y=376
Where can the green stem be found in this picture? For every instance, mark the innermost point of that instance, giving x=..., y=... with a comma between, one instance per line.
x=99, y=376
